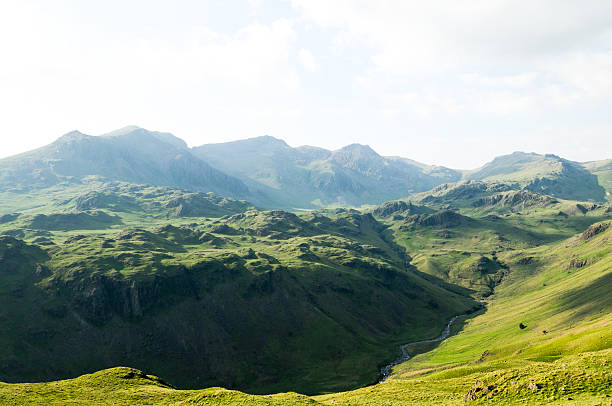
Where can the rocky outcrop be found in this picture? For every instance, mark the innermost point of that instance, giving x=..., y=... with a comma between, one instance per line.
x=594, y=230
x=399, y=207
x=477, y=391
x=522, y=198
x=445, y=218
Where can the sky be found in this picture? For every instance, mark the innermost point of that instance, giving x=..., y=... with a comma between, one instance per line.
x=451, y=83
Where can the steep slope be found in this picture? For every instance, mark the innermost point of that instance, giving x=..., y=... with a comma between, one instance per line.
x=132, y=154
x=262, y=301
x=603, y=171
x=308, y=177
x=546, y=174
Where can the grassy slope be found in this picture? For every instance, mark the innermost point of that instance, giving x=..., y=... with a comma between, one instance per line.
x=451, y=253
x=569, y=364
x=128, y=386
x=571, y=360
x=466, y=250
x=282, y=302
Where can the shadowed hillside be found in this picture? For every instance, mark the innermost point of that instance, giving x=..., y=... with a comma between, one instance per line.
x=262, y=301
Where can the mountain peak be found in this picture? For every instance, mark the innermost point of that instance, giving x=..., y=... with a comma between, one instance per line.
x=133, y=130
x=71, y=136
x=359, y=149
x=356, y=152
x=123, y=130
x=269, y=140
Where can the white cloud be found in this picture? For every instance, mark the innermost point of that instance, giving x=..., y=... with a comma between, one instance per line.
x=409, y=36
x=488, y=57
x=254, y=3
x=308, y=60
x=522, y=80
x=255, y=55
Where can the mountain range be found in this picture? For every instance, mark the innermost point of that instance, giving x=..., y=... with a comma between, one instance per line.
x=270, y=173
x=132, y=250
x=131, y=154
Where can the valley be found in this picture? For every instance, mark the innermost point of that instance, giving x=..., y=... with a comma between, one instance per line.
x=134, y=269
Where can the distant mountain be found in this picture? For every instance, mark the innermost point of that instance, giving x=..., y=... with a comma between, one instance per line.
x=309, y=177
x=269, y=173
x=131, y=154
x=546, y=174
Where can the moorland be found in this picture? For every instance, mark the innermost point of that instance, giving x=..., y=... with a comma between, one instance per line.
x=137, y=270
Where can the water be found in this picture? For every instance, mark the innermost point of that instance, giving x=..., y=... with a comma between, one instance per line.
x=403, y=354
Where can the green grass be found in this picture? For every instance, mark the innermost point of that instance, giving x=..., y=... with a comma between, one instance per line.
x=128, y=386
x=269, y=301
x=570, y=363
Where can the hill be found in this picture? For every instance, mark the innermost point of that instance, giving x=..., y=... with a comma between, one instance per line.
x=310, y=177
x=543, y=338
x=94, y=205
x=131, y=154
x=546, y=174
x=456, y=232
x=262, y=301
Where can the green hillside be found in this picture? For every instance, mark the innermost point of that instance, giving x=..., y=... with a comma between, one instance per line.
x=458, y=232
x=115, y=251
x=544, y=338
x=560, y=295
x=262, y=301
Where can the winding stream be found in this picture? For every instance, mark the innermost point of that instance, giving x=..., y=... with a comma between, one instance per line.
x=403, y=356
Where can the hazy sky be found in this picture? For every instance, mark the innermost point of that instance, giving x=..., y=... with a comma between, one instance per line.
x=444, y=82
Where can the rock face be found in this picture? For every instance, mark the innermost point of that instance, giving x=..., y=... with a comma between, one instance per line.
x=533, y=386
x=478, y=390
x=399, y=207
x=98, y=299
x=521, y=198
x=593, y=230
x=205, y=205
x=445, y=218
